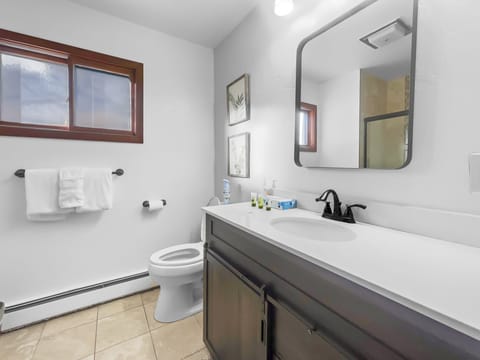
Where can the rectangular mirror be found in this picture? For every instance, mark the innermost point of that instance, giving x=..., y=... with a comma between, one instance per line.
x=354, y=89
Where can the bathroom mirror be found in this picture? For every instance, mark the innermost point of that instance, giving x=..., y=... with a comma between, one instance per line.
x=354, y=89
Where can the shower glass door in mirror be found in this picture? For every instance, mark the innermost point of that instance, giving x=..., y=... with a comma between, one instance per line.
x=355, y=83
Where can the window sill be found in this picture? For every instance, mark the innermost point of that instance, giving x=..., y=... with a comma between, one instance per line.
x=84, y=134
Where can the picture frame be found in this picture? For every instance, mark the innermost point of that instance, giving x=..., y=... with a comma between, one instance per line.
x=239, y=155
x=238, y=100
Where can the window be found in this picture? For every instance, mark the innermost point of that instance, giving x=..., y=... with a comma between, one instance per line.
x=307, y=127
x=53, y=90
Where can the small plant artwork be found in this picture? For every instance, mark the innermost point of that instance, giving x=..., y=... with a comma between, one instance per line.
x=239, y=155
x=238, y=102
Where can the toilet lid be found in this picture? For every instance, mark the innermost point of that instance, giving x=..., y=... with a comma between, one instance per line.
x=184, y=254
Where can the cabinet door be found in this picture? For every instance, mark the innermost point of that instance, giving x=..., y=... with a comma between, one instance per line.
x=294, y=338
x=234, y=327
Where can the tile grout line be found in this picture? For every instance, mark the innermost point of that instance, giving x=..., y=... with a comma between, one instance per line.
x=38, y=341
x=150, y=332
x=196, y=352
x=70, y=328
x=193, y=353
x=119, y=312
x=121, y=342
x=62, y=331
x=96, y=333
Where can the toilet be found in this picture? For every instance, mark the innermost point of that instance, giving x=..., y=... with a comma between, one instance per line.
x=178, y=270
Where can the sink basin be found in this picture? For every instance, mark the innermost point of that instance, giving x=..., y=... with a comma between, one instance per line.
x=318, y=230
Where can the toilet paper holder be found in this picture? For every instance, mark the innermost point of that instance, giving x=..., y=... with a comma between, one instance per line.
x=146, y=203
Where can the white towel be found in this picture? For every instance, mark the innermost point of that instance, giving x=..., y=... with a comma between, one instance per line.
x=41, y=192
x=98, y=190
x=70, y=184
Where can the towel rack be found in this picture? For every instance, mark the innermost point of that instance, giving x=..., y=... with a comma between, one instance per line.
x=21, y=172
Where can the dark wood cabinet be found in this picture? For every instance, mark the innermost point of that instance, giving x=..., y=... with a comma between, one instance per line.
x=234, y=315
x=243, y=322
x=262, y=302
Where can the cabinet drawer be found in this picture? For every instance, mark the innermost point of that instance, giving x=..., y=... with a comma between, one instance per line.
x=293, y=338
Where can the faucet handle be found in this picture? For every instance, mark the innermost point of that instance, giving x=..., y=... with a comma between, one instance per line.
x=349, y=213
x=357, y=205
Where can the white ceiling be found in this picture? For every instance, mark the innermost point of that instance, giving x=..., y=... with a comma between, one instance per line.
x=339, y=50
x=205, y=22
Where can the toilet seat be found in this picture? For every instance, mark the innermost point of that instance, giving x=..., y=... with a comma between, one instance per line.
x=178, y=255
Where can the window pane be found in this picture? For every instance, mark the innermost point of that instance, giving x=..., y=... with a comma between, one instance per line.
x=102, y=100
x=303, y=128
x=33, y=91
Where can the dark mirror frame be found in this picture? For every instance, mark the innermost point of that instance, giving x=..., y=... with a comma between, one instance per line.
x=298, y=80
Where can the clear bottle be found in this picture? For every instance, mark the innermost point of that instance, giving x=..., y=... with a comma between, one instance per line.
x=226, y=191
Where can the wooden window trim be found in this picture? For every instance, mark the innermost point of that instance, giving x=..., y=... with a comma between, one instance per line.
x=312, y=127
x=41, y=49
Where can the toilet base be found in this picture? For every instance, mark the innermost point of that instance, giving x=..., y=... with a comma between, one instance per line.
x=178, y=302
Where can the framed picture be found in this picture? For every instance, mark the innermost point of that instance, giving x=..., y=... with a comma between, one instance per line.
x=239, y=155
x=238, y=100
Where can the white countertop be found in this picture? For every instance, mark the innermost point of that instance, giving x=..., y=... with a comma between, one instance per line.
x=437, y=278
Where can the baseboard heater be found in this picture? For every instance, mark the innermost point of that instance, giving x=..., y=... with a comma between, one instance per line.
x=73, y=292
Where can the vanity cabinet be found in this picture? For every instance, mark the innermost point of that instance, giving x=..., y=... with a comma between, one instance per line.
x=244, y=323
x=235, y=317
x=262, y=302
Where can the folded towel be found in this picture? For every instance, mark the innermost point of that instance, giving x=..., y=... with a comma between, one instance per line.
x=41, y=192
x=70, y=186
x=98, y=190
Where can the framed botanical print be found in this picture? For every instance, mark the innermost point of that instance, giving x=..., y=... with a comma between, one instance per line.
x=238, y=100
x=239, y=155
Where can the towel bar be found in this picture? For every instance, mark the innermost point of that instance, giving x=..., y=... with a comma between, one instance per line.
x=21, y=172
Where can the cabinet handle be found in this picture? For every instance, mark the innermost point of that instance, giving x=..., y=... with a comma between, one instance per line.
x=262, y=331
x=312, y=329
x=264, y=310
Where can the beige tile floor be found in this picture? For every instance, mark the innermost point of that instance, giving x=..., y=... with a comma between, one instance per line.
x=123, y=329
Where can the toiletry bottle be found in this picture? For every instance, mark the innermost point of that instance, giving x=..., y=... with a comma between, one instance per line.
x=260, y=201
x=269, y=186
x=226, y=191
x=268, y=206
x=253, y=199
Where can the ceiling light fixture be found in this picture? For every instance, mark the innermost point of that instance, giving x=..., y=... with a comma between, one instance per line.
x=283, y=7
x=387, y=34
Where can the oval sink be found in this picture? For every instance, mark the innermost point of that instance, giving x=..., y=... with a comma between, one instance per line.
x=312, y=229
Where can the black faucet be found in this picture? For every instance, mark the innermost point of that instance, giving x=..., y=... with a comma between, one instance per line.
x=336, y=214
x=337, y=205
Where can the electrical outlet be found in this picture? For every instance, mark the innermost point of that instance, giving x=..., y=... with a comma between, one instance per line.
x=474, y=170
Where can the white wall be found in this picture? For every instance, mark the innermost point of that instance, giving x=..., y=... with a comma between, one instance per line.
x=338, y=121
x=446, y=126
x=175, y=162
